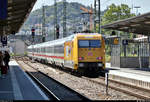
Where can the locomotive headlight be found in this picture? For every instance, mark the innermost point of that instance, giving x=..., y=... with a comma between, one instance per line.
x=100, y=64
x=81, y=65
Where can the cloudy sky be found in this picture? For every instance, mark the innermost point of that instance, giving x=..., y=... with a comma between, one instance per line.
x=144, y=4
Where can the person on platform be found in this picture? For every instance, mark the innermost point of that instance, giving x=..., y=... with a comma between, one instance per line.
x=6, y=59
x=1, y=63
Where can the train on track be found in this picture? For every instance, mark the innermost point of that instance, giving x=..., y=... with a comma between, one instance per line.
x=81, y=52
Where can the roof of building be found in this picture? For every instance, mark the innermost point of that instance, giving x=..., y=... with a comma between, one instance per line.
x=138, y=24
x=17, y=13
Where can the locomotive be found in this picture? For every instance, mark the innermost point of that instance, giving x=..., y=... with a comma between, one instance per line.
x=81, y=52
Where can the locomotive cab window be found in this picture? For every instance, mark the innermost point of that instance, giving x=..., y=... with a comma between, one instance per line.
x=83, y=43
x=89, y=43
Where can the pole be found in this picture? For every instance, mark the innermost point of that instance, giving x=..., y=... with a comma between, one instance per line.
x=95, y=15
x=55, y=17
x=43, y=25
x=106, y=82
x=137, y=7
x=32, y=48
x=99, y=16
x=64, y=18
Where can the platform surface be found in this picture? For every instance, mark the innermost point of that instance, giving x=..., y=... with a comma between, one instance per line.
x=142, y=74
x=17, y=85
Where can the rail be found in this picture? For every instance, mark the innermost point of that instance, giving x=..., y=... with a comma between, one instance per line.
x=54, y=95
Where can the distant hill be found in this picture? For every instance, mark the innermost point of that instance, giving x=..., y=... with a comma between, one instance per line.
x=74, y=17
x=73, y=13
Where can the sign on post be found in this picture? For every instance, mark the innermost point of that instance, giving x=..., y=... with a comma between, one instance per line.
x=3, y=9
x=106, y=82
x=4, y=40
x=125, y=42
x=116, y=41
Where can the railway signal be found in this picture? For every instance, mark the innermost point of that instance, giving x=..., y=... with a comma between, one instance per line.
x=33, y=31
x=57, y=32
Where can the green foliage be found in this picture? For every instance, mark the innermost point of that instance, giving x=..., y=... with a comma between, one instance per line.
x=107, y=58
x=114, y=13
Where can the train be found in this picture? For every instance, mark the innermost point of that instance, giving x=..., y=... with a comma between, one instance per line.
x=80, y=52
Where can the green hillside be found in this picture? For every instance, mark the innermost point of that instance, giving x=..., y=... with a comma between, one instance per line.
x=73, y=12
x=74, y=16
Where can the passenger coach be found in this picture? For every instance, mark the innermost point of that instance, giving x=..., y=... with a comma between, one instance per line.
x=83, y=52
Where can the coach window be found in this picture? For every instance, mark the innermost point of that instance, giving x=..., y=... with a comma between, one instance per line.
x=50, y=49
x=38, y=50
x=42, y=50
x=45, y=49
x=55, y=49
x=61, y=49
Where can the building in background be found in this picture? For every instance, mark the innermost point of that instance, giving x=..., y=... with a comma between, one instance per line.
x=17, y=46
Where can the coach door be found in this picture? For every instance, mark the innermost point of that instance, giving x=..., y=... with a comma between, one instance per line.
x=68, y=54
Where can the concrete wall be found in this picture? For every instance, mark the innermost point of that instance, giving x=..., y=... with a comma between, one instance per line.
x=133, y=62
x=115, y=61
x=18, y=47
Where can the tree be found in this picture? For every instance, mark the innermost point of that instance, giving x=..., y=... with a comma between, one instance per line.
x=112, y=14
x=115, y=13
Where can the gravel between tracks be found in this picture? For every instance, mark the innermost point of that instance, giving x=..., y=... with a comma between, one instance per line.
x=91, y=90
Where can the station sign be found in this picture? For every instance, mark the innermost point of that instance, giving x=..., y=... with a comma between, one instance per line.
x=125, y=42
x=4, y=40
x=116, y=41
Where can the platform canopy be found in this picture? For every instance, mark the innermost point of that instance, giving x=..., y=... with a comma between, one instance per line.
x=138, y=25
x=17, y=13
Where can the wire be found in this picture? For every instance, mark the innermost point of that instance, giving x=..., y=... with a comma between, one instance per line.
x=106, y=2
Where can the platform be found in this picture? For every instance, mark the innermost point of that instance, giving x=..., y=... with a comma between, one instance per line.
x=17, y=85
x=136, y=76
x=134, y=73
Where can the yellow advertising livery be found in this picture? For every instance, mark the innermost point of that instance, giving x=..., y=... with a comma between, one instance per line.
x=82, y=52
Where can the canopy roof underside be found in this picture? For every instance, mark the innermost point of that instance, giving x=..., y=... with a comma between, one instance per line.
x=138, y=25
x=17, y=12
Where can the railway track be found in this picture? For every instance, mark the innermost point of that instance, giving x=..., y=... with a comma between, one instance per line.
x=129, y=89
x=132, y=90
x=54, y=89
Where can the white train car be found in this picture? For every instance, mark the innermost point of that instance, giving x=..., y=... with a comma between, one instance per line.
x=49, y=52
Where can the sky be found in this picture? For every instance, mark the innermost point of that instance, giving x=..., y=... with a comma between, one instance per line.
x=144, y=4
